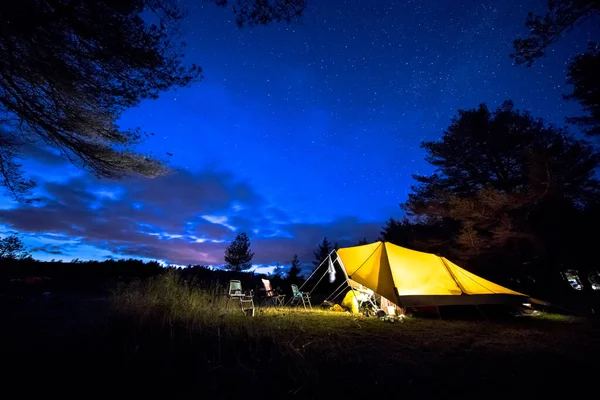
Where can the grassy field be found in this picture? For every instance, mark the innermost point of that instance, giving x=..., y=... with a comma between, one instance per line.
x=169, y=337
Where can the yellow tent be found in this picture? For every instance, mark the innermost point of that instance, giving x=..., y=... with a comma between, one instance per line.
x=411, y=278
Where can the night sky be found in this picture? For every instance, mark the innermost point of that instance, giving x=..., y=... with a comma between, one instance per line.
x=296, y=132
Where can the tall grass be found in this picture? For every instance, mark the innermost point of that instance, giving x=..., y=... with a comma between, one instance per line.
x=171, y=299
x=196, y=319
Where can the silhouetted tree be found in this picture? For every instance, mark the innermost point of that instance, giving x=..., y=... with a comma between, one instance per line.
x=295, y=268
x=544, y=30
x=396, y=232
x=362, y=242
x=322, y=252
x=262, y=12
x=238, y=255
x=583, y=75
x=278, y=271
x=500, y=175
x=70, y=68
x=561, y=16
x=424, y=234
x=13, y=248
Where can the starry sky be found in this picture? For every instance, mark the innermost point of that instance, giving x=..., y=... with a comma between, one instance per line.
x=295, y=133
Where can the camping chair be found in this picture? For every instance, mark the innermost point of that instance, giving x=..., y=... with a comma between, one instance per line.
x=234, y=292
x=272, y=296
x=298, y=296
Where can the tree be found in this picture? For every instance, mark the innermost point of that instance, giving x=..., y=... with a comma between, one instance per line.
x=13, y=248
x=499, y=176
x=583, y=75
x=262, y=12
x=544, y=30
x=238, y=255
x=322, y=252
x=295, y=268
x=363, y=241
x=396, y=232
x=423, y=234
x=278, y=271
x=69, y=69
x=561, y=16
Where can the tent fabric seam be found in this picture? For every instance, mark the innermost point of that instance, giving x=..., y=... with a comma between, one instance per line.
x=366, y=259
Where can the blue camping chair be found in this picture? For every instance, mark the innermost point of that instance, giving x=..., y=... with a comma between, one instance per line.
x=300, y=297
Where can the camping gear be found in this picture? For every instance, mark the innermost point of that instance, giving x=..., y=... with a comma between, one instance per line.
x=350, y=302
x=410, y=278
x=361, y=300
x=300, y=297
x=271, y=296
x=235, y=293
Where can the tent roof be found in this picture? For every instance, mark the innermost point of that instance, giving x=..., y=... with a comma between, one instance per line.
x=411, y=278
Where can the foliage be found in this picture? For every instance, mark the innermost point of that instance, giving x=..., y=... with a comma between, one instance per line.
x=13, y=248
x=238, y=255
x=81, y=274
x=498, y=177
x=561, y=16
x=69, y=70
x=169, y=294
x=583, y=75
x=544, y=30
x=323, y=250
x=397, y=232
x=263, y=12
x=362, y=242
x=295, y=268
x=423, y=234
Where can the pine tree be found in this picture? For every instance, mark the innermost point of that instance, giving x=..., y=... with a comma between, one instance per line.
x=295, y=268
x=322, y=252
x=238, y=255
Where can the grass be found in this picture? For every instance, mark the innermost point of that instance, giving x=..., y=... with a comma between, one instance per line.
x=173, y=336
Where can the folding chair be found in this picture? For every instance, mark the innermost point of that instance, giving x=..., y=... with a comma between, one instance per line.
x=298, y=296
x=272, y=296
x=234, y=292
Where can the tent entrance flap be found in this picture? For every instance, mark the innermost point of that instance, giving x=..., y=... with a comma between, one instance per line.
x=410, y=278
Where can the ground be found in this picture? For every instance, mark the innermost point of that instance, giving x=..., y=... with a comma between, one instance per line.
x=97, y=346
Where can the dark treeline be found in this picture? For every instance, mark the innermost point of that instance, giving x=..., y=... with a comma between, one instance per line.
x=79, y=276
x=102, y=277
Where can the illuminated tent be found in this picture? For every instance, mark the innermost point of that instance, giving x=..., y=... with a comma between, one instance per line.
x=412, y=278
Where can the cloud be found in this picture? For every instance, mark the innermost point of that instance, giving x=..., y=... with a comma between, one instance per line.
x=183, y=218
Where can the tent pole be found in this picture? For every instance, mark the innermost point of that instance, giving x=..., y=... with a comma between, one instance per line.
x=438, y=311
x=347, y=277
